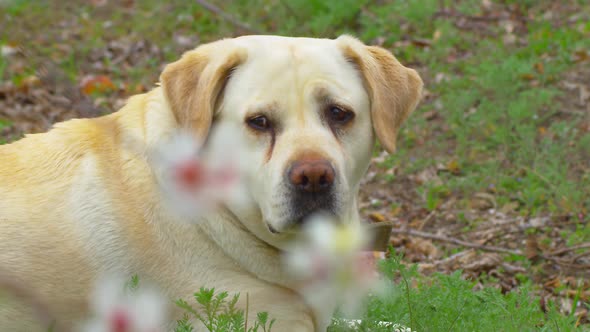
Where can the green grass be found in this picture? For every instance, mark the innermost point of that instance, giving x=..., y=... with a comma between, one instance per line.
x=494, y=117
x=218, y=313
x=450, y=303
x=3, y=64
x=437, y=303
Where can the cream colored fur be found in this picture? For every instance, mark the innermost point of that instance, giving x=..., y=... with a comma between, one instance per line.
x=81, y=200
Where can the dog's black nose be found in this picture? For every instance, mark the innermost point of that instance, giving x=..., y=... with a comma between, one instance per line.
x=311, y=175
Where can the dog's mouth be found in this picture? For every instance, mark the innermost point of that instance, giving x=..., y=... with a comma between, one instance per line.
x=298, y=210
x=272, y=229
x=298, y=221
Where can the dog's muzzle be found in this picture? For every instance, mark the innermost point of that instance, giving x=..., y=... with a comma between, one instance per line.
x=311, y=186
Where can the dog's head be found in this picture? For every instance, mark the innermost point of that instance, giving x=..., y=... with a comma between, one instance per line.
x=307, y=111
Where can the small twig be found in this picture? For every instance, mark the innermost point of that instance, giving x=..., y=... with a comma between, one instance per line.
x=450, y=13
x=512, y=268
x=452, y=257
x=427, y=219
x=584, y=254
x=218, y=11
x=567, y=264
x=569, y=249
x=455, y=241
x=499, y=234
x=507, y=222
x=550, y=257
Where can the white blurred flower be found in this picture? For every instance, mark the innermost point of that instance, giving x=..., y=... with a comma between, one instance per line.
x=193, y=178
x=117, y=309
x=331, y=266
x=354, y=325
x=7, y=50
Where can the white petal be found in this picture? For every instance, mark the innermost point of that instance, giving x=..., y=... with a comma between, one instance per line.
x=107, y=294
x=149, y=310
x=225, y=146
x=95, y=326
x=180, y=146
x=298, y=262
x=322, y=296
x=320, y=230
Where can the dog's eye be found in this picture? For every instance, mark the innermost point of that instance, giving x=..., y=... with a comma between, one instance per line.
x=338, y=115
x=259, y=122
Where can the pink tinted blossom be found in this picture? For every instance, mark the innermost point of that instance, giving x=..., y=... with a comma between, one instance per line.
x=330, y=266
x=193, y=178
x=117, y=309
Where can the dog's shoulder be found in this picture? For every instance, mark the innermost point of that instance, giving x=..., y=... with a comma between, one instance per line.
x=64, y=141
x=80, y=136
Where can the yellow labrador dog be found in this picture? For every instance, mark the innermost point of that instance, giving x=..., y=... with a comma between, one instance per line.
x=78, y=202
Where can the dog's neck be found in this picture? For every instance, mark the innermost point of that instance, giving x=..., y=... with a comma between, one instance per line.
x=252, y=254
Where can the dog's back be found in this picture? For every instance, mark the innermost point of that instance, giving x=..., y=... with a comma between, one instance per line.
x=40, y=259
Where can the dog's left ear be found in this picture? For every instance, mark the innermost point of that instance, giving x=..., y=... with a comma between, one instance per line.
x=394, y=90
x=193, y=84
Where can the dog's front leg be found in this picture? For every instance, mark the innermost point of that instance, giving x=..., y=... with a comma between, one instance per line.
x=285, y=306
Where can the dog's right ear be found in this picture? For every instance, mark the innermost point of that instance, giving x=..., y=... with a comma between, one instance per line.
x=193, y=84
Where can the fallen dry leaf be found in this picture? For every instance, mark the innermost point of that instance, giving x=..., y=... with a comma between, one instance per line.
x=428, y=175
x=573, y=293
x=426, y=268
x=436, y=35
x=421, y=42
x=509, y=207
x=424, y=247
x=396, y=210
x=539, y=67
x=377, y=217
x=453, y=167
x=581, y=55
x=542, y=131
x=553, y=283
x=430, y=115
x=27, y=83
x=484, y=262
x=96, y=84
x=584, y=95
x=532, y=249
x=483, y=201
